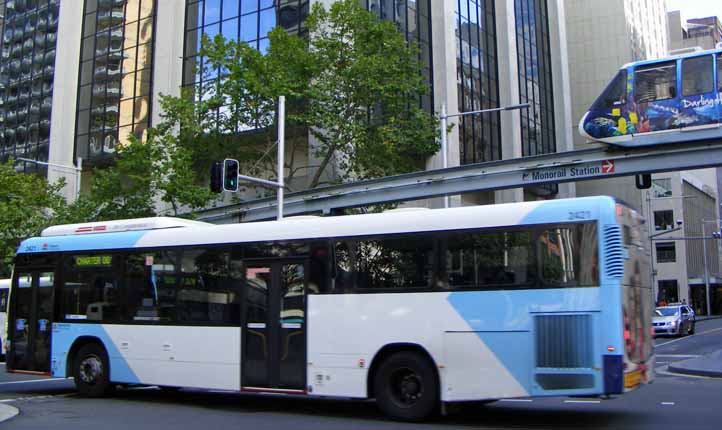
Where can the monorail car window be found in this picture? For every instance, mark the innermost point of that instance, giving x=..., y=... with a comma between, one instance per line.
x=615, y=94
x=697, y=76
x=719, y=72
x=655, y=82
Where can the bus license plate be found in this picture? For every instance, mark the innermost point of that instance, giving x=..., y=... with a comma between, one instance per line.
x=632, y=379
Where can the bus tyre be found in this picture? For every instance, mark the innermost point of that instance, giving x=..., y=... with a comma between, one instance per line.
x=406, y=387
x=91, y=371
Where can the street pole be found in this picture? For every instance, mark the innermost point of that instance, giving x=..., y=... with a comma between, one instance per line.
x=444, y=116
x=444, y=149
x=706, y=270
x=281, y=145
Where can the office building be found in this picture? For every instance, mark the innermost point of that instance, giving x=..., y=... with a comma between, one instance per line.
x=94, y=78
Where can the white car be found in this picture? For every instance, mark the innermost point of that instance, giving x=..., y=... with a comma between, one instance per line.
x=674, y=319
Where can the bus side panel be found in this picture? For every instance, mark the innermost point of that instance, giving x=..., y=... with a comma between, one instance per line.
x=201, y=357
x=482, y=341
x=345, y=330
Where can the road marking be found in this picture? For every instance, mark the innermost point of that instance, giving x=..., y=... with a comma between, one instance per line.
x=517, y=400
x=677, y=355
x=688, y=337
x=668, y=403
x=582, y=401
x=17, y=399
x=34, y=380
x=662, y=371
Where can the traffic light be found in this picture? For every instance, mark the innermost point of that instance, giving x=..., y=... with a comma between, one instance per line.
x=230, y=175
x=216, y=177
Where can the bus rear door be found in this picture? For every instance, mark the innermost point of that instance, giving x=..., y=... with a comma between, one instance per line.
x=274, y=338
x=30, y=322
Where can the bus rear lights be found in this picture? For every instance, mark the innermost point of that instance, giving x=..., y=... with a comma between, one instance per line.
x=361, y=363
x=610, y=348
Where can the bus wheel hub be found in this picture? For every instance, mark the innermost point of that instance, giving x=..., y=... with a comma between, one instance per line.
x=91, y=368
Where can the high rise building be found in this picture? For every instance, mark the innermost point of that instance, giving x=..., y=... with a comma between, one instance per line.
x=94, y=78
x=27, y=75
x=602, y=36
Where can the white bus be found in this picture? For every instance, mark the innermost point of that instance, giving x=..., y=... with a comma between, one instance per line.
x=414, y=309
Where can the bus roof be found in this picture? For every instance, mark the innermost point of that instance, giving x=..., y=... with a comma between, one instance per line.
x=525, y=213
x=120, y=225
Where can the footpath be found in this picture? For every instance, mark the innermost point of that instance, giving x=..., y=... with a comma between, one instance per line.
x=707, y=365
x=7, y=412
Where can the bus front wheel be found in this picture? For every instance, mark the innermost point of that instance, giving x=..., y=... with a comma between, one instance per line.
x=406, y=386
x=91, y=371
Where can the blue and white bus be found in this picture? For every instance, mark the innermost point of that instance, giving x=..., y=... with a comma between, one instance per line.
x=413, y=308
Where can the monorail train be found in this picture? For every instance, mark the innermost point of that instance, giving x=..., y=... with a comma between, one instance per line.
x=669, y=100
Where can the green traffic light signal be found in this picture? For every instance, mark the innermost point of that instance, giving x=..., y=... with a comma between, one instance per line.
x=230, y=175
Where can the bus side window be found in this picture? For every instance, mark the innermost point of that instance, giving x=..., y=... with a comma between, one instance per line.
x=719, y=72
x=697, y=76
x=655, y=82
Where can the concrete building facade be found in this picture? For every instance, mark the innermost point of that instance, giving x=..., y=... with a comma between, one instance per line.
x=602, y=37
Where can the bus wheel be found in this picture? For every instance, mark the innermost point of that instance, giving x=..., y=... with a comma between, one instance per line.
x=406, y=387
x=91, y=371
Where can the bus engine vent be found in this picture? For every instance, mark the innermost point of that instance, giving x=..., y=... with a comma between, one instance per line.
x=614, y=253
x=563, y=341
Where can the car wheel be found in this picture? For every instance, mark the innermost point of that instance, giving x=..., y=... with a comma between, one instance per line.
x=691, y=328
x=91, y=371
x=406, y=386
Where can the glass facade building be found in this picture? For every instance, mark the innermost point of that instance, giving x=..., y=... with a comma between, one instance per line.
x=535, y=77
x=248, y=21
x=27, y=67
x=116, y=68
x=476, y=64
x=413, y=19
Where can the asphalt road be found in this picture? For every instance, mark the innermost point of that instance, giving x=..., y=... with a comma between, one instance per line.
x=672, y=401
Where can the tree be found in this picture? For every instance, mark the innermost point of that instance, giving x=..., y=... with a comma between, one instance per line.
x=354, y=85
x=362, y=101
x=28, y=204
x=143, y=173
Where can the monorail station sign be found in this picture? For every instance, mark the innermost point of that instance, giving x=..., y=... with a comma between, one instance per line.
x=563, y=173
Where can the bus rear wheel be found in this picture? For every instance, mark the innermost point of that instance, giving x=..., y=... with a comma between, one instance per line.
x=91, y=371
x=406, y=387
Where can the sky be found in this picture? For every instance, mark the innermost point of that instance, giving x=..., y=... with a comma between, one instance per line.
x=696, y=8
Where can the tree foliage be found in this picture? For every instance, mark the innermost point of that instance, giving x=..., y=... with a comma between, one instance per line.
x=28, y=204
x=353, y=84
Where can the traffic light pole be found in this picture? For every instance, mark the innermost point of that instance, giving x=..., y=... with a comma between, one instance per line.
x=279, y=185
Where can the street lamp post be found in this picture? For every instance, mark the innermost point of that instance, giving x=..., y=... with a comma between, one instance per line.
x=444, y=116
x=706, y=268
x=76, y=169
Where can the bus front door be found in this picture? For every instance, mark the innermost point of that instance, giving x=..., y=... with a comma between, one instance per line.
x=30, y=326
x=274, y=336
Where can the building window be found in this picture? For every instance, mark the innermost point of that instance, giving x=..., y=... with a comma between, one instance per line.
x=667, y=292
x=114, y=88
x=535, y=77
x=237, y=20
x=479, y=135
x=27, y=69
x=666, y=252
x=662, y=187
x=413, y=19
x=663, y=220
